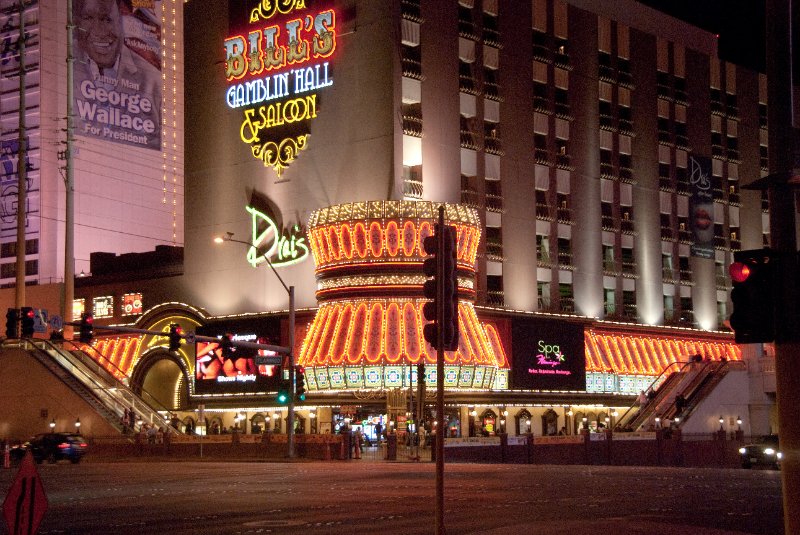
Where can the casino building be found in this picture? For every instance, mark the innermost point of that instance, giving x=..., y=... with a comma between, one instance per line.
x=591, y=155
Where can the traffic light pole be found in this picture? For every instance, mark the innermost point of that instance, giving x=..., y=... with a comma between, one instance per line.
x=290, y=353
x=783, y=239
x=440, y=425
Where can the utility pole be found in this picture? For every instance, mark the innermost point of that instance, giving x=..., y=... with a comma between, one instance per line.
x=69, y=186
x=783, y=239
x=22, y=166
x=440, y=426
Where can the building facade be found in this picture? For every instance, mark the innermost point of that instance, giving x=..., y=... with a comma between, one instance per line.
x=602, y=146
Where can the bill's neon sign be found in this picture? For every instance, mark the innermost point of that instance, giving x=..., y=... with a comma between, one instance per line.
x=275, y=72
x=283, y=247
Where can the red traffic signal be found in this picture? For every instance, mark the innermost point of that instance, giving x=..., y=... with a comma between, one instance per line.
x=753, y=275
x=175, y=333
x=86, y=329
x=739, y=271
x=27, y=315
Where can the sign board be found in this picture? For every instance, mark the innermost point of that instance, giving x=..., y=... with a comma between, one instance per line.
x=40, y=320
x=269, y=360
x=547, y=355
x=56, y=322
x=26, y=501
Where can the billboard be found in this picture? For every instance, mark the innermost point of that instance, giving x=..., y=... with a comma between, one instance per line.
x=236, y=371
x=547, y=355
x=701, y=206
x=117, y=72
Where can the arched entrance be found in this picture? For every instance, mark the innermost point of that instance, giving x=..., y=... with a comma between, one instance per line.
x=523, y=422
x=549, y=423
x=161, y=380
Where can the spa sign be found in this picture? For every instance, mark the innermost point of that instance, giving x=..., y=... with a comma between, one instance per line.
x=547, y=355
x=276, y=70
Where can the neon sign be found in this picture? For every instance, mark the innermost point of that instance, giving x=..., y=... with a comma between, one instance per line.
x=283, y=247
x=276, y=71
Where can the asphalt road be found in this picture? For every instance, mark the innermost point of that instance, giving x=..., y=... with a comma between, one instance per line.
x=347, y=497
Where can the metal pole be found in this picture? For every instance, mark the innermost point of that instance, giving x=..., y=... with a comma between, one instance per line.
x=440, y=431
x=22, y=170
x=290, y=419
x=69, y=186
x=783, y=239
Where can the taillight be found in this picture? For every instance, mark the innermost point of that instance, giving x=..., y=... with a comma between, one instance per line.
x=83, y=444
x=63, y=445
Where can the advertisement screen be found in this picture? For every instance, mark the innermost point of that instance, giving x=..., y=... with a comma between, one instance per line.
x=235, y=370
x=547, y=355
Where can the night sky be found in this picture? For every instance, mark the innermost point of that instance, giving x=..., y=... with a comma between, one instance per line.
x=739, y=24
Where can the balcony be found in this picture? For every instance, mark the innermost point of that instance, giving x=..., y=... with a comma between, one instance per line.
x=567, y=305
x=494, y=250
x=494, y=203
x=686, y=275
x=609, y=266
x=410, y=10
x=565, y=258
x=467, y=84
x=466, y=29
x=667, y=274
x=495, y=298
x=493, y=145
x=543, y=258
x=470, y=198
x=665, y=184
x=491, y=90
x=544, y=303
x=543, y=212
x=607, y=222
x=629, y=311
x=564, y=215
x=667, y=233
x=412, y=188
x=468, y=140
x=626, y=226
x=412, y=68
x=628, y=267
x=412, y=126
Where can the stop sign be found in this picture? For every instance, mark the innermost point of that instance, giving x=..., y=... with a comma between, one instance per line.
x=26, y=502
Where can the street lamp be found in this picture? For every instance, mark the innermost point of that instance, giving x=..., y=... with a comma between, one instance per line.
x=77, y=424
x=289, y=290
x=52, y=425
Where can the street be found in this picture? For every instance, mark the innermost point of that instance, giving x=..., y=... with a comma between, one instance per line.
x=379, y=497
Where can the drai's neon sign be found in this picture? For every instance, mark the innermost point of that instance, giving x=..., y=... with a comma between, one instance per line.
x=283, y=247
x=275, y=72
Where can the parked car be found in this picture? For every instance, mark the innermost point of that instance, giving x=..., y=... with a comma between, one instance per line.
x=54, y=447
x=764, y=452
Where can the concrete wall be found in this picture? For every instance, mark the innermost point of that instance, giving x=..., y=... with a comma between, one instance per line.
x=31, y=397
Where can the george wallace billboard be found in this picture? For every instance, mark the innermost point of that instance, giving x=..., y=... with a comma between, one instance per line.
x=547, y=355
x=117, y=81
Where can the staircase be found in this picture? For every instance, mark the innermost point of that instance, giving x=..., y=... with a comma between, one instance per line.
x=92, y=381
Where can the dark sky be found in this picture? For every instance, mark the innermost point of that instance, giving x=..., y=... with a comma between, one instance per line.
x=739, y=24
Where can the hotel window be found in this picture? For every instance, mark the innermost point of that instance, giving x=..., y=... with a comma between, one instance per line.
x=628, y=260
x=566, y=297
x=629, y=304
x=609, y=301
x=543, y=249
x=666, y=266
x=609, y=263
x=543, y=290
x=564, y=252
x=669, y=308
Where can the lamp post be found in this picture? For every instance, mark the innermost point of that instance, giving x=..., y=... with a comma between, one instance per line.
x=289, y=290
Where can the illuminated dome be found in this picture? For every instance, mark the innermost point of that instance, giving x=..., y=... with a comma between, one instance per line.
x=368, y=330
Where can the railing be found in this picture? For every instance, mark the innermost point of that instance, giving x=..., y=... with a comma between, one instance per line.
x=115, y=395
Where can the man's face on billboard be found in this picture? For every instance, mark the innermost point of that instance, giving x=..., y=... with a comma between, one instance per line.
x=99, y=30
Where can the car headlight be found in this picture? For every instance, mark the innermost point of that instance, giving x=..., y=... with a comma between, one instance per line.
x=780, y=455
x=769, y=451
x=742, y=451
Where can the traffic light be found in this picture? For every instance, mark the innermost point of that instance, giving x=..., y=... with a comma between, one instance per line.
x=175, y=332
x=86, y=329
x=26, y=316
x=300, y=383
x=441, y=265
x=450, y=290
x=284, y=392
x=12, y=318
x=753, y=276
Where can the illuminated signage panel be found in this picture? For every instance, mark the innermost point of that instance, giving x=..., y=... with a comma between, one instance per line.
x=103, y=307
x=236, y=372
x=132, y=304
x=78, y=308
x=276, y=69
x=547, y=355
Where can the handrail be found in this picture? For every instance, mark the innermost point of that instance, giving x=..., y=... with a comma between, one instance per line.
x=108, y=389
x=621, y=419
x=100, y=357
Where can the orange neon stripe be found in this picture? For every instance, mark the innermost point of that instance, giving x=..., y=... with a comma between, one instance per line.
x=425, y=230
x=331, y=352
x=392, y=238
x=411, y=334
x=357, y=340
x=375, y=239
x=393, y=333
x=374, y=338
x=347, y=241
x=339, y=346
x=409, y=238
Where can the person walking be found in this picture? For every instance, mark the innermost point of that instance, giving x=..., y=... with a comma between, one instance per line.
x=357, y=442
